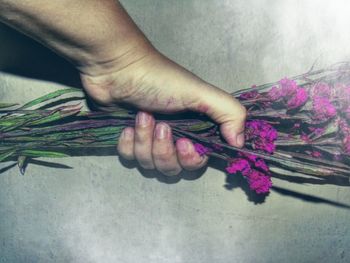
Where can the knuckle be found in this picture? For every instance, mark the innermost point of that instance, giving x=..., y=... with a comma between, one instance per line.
x=121, y=91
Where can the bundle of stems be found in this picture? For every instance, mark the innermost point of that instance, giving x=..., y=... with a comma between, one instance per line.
x=298, y=125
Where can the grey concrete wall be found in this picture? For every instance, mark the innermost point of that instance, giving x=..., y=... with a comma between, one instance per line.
x=101, y=211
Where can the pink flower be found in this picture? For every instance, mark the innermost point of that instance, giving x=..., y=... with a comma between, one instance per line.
x=297, y=125
x=304, y=137
x=238, y=165
x=319, y=131
x=323, y=109
x=274, y=93
x=320, y=89
x=288, y=87
x=262, y=165
x=266, y=146
x=249, y=95
x=250, y=157
x=261, y=134
x=259, y=182
x=201, y=149
x=297, y=99
x=342, y=91
x=260, y=128
x=255, y=161
x=316, y=154
x=293, y=95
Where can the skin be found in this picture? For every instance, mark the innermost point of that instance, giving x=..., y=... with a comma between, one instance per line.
x=119, y=66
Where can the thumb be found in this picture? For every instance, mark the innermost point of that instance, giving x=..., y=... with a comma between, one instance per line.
x=225, y=110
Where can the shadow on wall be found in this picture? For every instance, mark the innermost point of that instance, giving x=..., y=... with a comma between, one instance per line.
x=23, y=56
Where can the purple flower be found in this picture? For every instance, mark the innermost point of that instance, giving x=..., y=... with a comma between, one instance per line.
x=274, y=93
x=250, y=157
x=201, y=149
x=259, y=182
x=305, y=137
x=249, y=95
x=323, y=109
x=288, y=86
x=320, y=89
x=261, y=134
x=255, y=161
x=260, y=163
x=316, y=154
x=297, y=99
x=239, y=165
x=293, y=95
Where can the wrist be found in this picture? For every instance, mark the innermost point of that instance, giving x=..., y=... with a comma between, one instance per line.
x=107, y=58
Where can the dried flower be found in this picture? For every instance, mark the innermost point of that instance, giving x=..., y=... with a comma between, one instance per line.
x=323, y=109
x=261, y=134
x=201, y=149
x=320, y=89
x=300, y=124
x=297, y=99
x=238, y=165
x=259, y=182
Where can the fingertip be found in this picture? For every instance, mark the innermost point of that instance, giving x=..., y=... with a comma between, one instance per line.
x=125, y=146
x=188, y=157
x=233, y=133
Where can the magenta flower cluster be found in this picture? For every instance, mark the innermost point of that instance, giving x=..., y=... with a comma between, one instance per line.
x=289, y=93
x=201, y=149
x=322, y=107
x=261, y=134
x=254, y=169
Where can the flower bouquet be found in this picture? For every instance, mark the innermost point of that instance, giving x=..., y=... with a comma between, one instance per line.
x=296, y=125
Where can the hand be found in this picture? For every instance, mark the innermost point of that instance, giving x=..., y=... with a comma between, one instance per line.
x=152, y=83
x=119, y=65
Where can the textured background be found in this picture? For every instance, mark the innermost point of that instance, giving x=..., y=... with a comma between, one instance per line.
x=101, y=211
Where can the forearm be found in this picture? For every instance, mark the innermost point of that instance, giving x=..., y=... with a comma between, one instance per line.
x=89, y=33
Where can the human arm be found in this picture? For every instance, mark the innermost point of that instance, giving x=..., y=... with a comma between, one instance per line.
x=119, y=65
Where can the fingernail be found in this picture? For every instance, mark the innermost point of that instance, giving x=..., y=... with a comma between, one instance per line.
x=183, y=146
x=240, y=140
x=162, y=131
x=142, y=119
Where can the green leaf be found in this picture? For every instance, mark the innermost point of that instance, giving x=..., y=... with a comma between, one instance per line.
x=40, y=153
x=49, y=96
x=54, y=117
x=6, y=154
x=7, y=105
